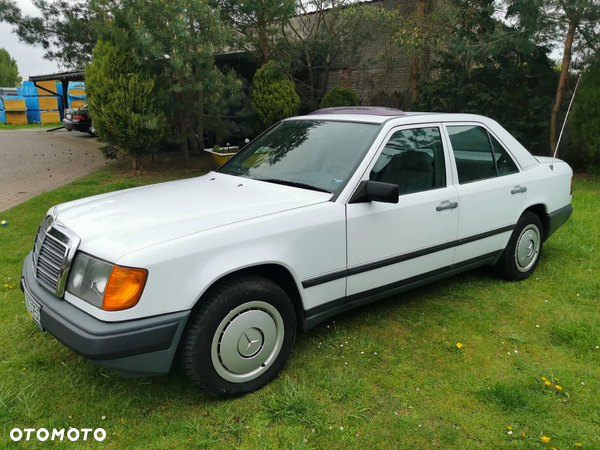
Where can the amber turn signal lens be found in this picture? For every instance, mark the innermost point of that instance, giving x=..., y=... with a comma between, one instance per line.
x=124, y=288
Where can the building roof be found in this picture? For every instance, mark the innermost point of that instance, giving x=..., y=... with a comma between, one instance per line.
x=74, y=75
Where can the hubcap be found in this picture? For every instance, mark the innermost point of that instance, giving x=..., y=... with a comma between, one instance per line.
x=247, y=342
x=528, y=248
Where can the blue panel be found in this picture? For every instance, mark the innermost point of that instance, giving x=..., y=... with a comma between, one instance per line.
x=2, y=116
x=33, y=117
x=32, y=103
x=29, y=88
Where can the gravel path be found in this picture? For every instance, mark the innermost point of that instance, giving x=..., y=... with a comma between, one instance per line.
x=35, y=161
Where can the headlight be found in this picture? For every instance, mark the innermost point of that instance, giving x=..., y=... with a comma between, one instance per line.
x=104, y=285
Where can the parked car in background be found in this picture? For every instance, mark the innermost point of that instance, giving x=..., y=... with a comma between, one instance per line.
x=321, y=214
x=78, y=119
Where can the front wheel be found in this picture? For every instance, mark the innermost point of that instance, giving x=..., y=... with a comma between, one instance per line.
x=524, y=249
x=240, y=337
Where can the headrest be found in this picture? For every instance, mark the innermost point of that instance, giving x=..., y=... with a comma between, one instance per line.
x=417, y=161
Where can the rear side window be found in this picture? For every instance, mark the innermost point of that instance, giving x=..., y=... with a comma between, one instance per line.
x=478, y=155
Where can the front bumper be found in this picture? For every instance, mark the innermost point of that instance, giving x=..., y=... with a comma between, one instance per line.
x=134, y=348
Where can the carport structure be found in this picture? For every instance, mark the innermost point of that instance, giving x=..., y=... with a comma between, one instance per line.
x=64, y=78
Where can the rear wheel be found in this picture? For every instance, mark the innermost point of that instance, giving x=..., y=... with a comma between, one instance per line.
x=240, y=337
x=524, y=249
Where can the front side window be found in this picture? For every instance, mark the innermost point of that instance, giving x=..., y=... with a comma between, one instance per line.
x=311, y=154
x=478, y=155
x=413, y=159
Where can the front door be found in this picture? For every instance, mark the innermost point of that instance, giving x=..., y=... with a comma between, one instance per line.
x=391, y=244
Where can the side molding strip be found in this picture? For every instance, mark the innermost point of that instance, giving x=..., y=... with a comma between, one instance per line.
x=322, y=312
x=400, y=258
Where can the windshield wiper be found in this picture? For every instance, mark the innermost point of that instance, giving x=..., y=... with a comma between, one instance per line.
x=293, y=184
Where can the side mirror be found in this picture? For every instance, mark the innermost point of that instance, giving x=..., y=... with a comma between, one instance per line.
x=376, y=191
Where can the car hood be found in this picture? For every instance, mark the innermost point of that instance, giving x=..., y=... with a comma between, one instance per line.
x=112, y=225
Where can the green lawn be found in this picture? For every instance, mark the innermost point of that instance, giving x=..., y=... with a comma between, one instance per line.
x=4, y=126
x=384, y=376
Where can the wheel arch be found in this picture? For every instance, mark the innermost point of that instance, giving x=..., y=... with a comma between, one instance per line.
x=277, y=273
x=540, y=211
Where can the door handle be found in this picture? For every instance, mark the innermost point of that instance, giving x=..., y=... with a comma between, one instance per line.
x=447, y=205
x=518, y=190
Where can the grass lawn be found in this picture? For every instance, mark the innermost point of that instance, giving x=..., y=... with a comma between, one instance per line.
x=384, y=376
x=33, y=126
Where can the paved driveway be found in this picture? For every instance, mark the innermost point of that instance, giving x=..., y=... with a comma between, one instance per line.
x=35, y=161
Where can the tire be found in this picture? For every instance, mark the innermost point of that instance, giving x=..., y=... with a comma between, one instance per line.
x=524, y=250
x=240, y=337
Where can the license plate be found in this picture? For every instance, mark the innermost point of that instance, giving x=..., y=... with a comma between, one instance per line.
x=34, y=310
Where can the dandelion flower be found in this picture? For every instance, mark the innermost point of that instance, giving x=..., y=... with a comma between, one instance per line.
x=545, y=439
x=556, y=379
x=558, y=388
x=510, y=428
x=523, y=434
x=578, y=444
x=547, y=383
x=544, y=379
x=459, y=345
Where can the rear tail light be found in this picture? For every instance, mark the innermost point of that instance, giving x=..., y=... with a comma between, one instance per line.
x=78, y=118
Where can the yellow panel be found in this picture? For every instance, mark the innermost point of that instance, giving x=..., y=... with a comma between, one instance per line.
x=50, y=85
x=49, y=116
x=77, y=103
x=15, y=105
x=48, y=103
x=77, y=92
x=16, y=118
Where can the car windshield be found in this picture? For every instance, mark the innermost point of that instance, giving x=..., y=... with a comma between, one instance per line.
x=310, y=154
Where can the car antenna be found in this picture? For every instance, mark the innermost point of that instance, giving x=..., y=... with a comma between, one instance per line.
x=565, y=123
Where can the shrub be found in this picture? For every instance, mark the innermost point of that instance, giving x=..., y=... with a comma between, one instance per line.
x=340, y=96
x=273, y=96
x=125, y=110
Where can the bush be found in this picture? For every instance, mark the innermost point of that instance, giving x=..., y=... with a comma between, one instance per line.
x=340, y=96
x=273, y=96
x=124, y=108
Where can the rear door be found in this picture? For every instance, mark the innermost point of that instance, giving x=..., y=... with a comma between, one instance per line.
x=491, y=190
x=391, y=244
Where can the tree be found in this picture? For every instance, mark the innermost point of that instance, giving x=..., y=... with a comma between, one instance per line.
x=274, y=97
x=126, y=111
x=9, y=72
x=315, y=38
x=576, y=22
x=585, y=118
x=177, y=42
x=418, y=28
x=66, y=30
x=257, y=24
x=489, y=68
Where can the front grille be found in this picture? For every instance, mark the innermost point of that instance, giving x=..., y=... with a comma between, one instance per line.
x=53, y=251
x=49, y=256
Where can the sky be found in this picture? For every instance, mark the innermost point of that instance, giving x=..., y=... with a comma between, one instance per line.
x=30, y=59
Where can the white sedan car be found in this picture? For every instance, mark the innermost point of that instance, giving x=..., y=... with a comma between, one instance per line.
x=320, y=214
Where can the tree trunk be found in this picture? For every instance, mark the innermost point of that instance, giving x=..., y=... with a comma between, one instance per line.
x=134, y=161
x=562, y=83
x=311, y=80
x=415, y=75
